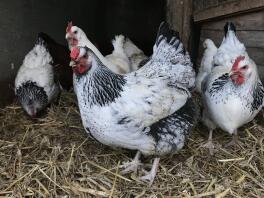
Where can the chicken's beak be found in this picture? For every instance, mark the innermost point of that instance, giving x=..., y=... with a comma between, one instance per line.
x=233, y=73
x=67, y=36
x=72, y=64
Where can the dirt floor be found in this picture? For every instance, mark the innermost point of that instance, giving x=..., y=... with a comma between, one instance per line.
x=54, y=157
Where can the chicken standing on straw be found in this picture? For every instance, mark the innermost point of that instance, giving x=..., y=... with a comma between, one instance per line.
x=149, y=110
x=232, y=91
x=36, y=86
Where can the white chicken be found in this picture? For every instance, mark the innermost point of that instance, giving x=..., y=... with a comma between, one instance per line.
x=206, y=63
x=135, y=55
x=118, y=58
x=35, y=84
x=124, y=57
x=148, y=110
x=232, y=91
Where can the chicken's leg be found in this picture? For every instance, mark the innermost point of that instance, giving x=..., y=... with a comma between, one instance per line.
x=234, y=140
x=209, y=143
x=131, y=166
x=150, y=176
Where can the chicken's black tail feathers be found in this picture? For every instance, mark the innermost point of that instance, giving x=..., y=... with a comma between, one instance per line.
x=229, y=26
x=40, y=41
x=172, y=37
x=44, y=39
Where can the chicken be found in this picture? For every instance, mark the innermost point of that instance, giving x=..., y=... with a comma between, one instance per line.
x=148, y=110
x=118, y=58
x=35, y=83
x=124, y=57
x=232, y=91
x=206, y=63
x=135, y=55
x=61, y=60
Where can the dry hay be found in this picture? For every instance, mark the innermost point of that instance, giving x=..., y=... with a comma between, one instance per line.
x=54, y=157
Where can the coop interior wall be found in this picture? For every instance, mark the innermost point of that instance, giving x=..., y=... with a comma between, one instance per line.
x=101, y=20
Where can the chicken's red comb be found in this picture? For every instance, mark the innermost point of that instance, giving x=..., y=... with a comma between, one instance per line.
x=75, y=53
x=237, y=61
x=68, y=29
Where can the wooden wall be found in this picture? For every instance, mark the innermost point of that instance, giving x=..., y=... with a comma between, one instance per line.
x=101, y=20
x=200, y=5
x=250, y=31
x=179, y=14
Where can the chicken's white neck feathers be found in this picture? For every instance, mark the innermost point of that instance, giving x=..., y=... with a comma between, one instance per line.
x=37, y=57
x=84, y=41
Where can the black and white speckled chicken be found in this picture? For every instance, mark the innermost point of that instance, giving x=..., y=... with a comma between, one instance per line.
x=35, y=84
x=232, y=91
x=148, y=110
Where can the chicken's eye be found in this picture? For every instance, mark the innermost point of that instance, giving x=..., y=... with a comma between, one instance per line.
x=75, y=32
x=85, y=56
x=244, y=67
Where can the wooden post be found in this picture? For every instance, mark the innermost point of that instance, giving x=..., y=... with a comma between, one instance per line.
x=179, y=16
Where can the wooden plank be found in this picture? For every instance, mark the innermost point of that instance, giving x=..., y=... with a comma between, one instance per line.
x=199, y=5
x=249, y=21
x=249, y=38
x=256, y=54
x=179, y=14
x=186, y=26
x=261, y=72
x=228, y=9
x=174, y=14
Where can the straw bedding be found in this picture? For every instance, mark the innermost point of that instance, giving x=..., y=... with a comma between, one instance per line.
x=54, y=157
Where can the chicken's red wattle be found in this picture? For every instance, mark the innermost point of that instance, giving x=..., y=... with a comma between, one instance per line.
x=75, y=53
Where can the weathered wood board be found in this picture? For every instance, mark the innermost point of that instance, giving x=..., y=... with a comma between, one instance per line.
x=206, y=10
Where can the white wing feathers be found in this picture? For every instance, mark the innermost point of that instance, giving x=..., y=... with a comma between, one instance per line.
x=118, y=58
x=206, y=63
x=134, y=54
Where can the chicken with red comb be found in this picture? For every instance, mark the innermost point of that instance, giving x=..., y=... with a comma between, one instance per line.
x=232, y=91
x=149, y=110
